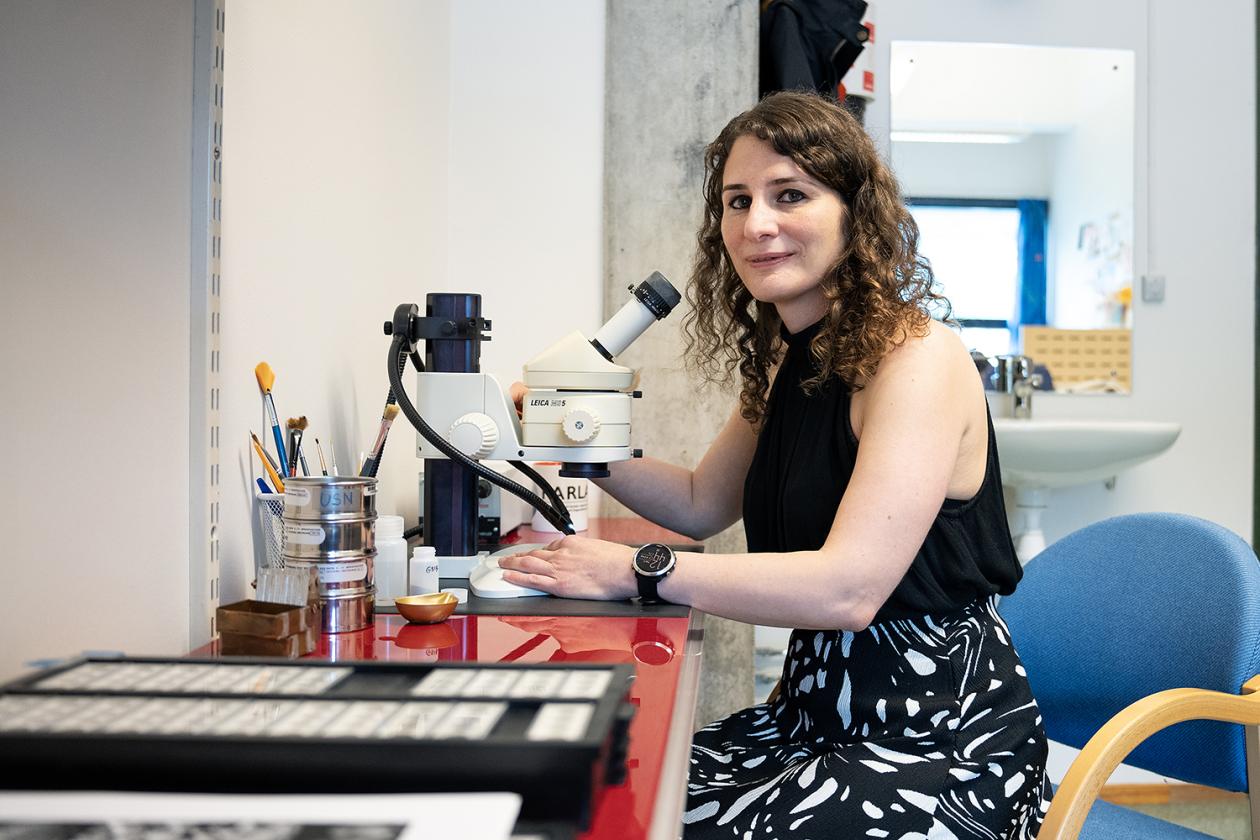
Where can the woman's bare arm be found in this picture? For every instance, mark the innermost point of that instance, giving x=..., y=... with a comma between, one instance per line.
x=918, y=408
x=699, y=502
x=922, y=403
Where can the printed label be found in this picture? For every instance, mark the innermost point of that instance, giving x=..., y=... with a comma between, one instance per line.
x=304, y=534
x=342, y=572
x=574, y=492
x=370, y=490
x=334, y=498
x=298, y=495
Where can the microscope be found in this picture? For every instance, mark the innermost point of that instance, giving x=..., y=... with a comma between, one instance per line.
x=576, y=411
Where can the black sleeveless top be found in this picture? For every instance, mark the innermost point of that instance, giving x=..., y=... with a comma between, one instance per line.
x=803, y=462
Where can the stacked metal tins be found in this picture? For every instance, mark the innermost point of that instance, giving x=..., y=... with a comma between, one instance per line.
x=330, y=528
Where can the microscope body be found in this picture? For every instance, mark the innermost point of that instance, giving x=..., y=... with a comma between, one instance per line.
x=577, y=408
x=576, y=411
x=475, y=414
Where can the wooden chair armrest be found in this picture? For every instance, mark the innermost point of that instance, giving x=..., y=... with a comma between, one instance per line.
x=1120, y=735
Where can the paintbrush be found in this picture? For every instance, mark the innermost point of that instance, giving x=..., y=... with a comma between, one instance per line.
x=266, y=378
x=266, y=462
x=302, y=452
x=373, y=460
x=297, y=425
x=323, y=465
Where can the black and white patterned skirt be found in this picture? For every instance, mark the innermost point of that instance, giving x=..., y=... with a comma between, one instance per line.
x=920, y=728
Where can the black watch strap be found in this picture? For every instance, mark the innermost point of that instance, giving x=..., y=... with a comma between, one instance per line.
x=647, y=589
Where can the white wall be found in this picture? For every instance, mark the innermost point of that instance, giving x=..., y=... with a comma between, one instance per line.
x=95, y=197
x=376, y=152
x=1194, y=223
x=334, y=191
x=526, y=171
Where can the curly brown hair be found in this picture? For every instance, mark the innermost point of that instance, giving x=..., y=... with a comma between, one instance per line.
x=880, y=291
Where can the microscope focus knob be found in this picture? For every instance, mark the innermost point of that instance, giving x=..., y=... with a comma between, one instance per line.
x=580, y=425
x=474, y=434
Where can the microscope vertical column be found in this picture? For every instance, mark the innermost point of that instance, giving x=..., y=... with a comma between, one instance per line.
x=450, y=490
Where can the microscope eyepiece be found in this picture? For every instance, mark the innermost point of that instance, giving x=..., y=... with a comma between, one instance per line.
x=653, y=299
x=658, y=295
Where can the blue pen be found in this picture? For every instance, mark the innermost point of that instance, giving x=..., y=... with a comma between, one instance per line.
x=262, y=486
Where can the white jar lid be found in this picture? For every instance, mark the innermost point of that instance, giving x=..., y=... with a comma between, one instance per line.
x=389, y=527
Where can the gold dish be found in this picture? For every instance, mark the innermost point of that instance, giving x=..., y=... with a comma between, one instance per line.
x=426, y=609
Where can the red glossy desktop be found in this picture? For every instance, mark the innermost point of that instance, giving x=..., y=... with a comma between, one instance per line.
x=666, y=674
x=657, y=647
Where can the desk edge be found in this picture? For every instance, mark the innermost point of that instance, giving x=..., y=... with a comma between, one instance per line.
x=671, y=791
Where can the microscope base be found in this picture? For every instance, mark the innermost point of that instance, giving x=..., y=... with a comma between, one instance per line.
x=459, y=567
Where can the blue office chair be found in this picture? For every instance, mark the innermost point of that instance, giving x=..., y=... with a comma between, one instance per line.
x=1128, y=627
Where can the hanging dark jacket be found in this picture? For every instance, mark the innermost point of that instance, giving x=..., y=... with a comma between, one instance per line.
x=798, y=40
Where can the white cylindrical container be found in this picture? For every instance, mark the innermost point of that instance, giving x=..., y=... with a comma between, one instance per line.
x=423, y=577
x=575, y=492
x=391, y=559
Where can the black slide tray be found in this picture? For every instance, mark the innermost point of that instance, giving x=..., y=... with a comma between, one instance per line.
x=557, y=780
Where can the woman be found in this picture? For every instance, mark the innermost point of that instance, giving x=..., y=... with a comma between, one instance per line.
x=862, y=459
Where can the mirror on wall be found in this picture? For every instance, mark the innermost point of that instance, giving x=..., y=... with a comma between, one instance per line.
x=1017, y=164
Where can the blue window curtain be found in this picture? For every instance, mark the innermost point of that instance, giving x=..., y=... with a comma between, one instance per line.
x=1032, y=260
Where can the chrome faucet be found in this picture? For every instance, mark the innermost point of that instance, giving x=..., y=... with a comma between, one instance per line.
x=1013, y=375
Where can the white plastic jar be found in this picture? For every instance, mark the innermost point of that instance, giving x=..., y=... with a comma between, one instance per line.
x=391, y=559
x=423, y=576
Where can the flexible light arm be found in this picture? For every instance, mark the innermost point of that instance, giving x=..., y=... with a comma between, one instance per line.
x=552, y=513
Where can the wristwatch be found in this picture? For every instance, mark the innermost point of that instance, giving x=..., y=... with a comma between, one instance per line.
x=652, y=564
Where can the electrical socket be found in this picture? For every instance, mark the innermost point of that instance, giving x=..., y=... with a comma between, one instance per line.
x=1153, y=288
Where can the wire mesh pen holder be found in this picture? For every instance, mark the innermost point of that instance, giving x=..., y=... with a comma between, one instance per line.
x=276, y=582
x=268, y=513
x=269, y=550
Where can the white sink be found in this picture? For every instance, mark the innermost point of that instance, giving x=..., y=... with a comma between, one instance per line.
x=1037, y=455
x=1059, y=453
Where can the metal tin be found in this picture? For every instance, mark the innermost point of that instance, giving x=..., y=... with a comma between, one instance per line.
x=330, y=528
x=329, y=498
x=307, y=540
x=344, y=590
x=347, y=613
x=343, y=576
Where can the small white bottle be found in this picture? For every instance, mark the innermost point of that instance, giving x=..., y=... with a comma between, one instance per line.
x=423, y=579
x=391, y=559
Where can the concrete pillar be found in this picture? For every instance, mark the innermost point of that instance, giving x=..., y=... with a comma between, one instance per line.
x=676, y=73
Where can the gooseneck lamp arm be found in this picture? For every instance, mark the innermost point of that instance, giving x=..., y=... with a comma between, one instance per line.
x=402, y=328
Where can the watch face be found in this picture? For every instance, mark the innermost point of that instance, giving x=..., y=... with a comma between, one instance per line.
x=653, y=559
